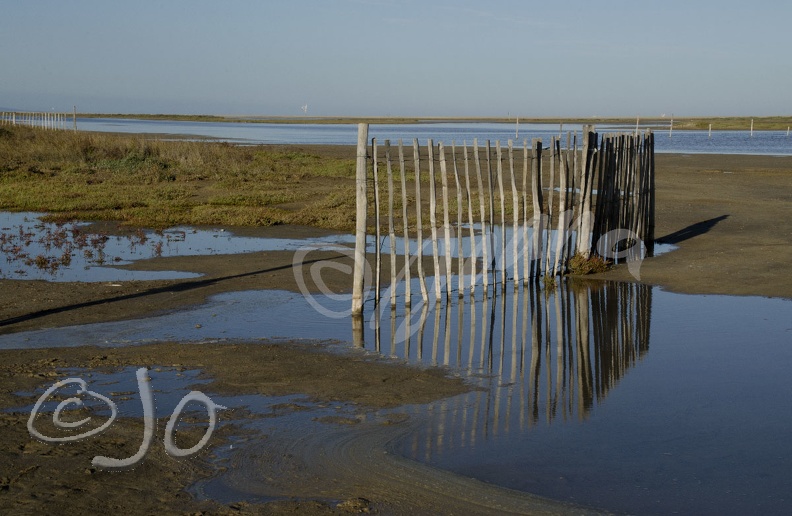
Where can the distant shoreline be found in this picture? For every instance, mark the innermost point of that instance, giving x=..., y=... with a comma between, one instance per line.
x=773, y=123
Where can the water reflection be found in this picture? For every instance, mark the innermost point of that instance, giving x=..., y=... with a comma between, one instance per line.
x=541, y=354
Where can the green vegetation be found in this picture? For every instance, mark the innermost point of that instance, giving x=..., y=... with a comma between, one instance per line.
x=143, y=182
x=580, y=265
x=550, y=282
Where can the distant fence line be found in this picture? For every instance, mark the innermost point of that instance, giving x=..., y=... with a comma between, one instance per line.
x=43, y=119
x=596, y=201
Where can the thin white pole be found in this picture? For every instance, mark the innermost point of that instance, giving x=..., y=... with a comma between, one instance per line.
x=360, y=225
x=433, y=220
x=391, y=231
x=405, y=222
x=446, y=219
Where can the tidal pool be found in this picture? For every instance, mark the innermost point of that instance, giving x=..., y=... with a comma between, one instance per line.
x=31, y=249
x=619, y=396
x=612, y=395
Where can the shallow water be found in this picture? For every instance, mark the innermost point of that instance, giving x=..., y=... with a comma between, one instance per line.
x=694, y=142
x=34, y=250
x=620, y=396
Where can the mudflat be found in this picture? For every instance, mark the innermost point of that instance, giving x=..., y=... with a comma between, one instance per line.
x=727, y=216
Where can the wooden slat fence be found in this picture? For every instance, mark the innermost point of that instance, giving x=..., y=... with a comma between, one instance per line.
x=42, y=120
x=520, y=211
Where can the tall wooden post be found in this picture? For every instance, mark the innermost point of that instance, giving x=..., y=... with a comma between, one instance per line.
x=502, y=211
x=360, y=227
x=650, y=228
x=526, y=260
x=515, y=217
x=433, y=220
x=391, y=230
x=460, y=212
x=446, y=219
x=406, y=224
x=536, y=195
x=483, y=216
x=473, y=252
x=377, y=230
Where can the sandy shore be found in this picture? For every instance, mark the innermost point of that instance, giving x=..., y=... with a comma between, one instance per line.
x=727, y=215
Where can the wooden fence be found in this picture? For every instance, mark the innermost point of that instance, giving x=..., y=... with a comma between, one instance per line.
x=43, y=120
x=521, y=213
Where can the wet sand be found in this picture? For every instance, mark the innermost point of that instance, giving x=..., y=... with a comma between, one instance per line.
x=726, y=214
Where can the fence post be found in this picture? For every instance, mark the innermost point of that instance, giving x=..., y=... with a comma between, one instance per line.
x=360, y=227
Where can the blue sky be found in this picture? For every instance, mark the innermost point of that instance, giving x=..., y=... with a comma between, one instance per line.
x=398, y=57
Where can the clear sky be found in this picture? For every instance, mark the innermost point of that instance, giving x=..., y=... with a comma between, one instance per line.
x=398, y=57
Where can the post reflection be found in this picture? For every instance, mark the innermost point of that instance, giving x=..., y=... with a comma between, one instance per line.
x=541, y=354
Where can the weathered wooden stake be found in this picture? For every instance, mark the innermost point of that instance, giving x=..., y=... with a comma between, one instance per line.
x=515, y=217
x=650, y=226
x=588, y=168
x=491, y=225
x=482, y=213
x=421, y=273
x=361, y=204
x=460, y=210
x=405, y=221
x=446, y=220
x=538, y=203
x=554, y=143
x=502, y=211
x=433, y=220
x=391, y=231
x=473, y=251
x=378, y=233
x=563, y=170
x=526, y=260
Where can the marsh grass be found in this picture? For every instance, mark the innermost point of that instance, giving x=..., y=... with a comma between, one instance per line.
x=579, y=265
x=161, y=183
x=155, y=183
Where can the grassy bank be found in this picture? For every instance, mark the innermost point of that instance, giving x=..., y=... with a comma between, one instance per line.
x=154, y=183
x=145, y=182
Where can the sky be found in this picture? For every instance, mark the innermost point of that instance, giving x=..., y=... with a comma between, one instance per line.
x=398, y=57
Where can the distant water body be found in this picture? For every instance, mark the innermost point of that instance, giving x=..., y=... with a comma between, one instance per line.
x=686, y=142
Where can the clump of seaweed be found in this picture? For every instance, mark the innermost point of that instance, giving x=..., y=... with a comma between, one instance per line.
x=579, y=265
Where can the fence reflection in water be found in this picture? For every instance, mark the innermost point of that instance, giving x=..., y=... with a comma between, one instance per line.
x=538, y=353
